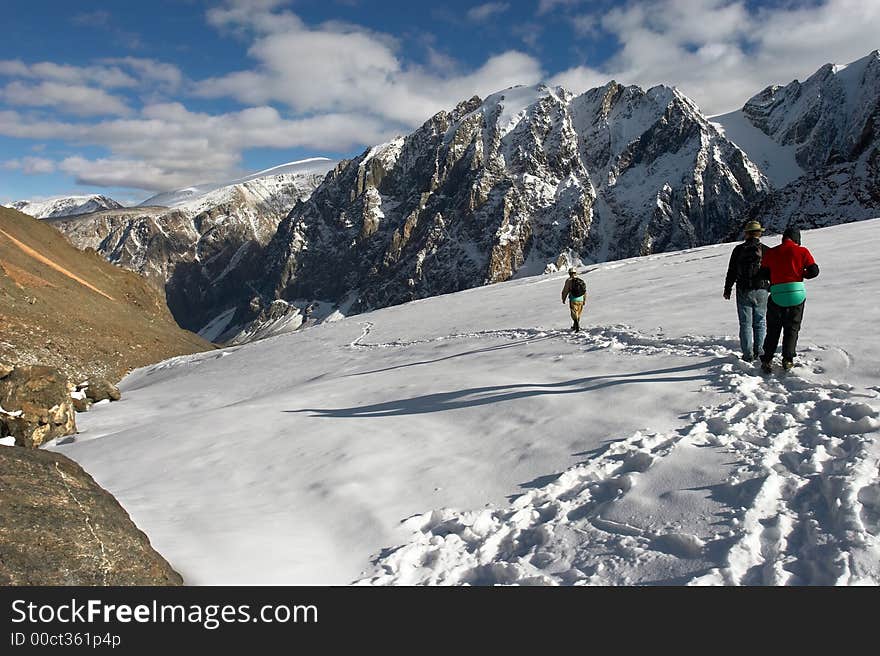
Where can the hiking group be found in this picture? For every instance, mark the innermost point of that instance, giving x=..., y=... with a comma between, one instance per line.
x=770, y=294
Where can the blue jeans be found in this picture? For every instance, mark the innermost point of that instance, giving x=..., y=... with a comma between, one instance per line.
x=751, y=307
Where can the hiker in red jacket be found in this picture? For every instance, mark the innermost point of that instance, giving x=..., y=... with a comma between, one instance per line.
x=786, y=265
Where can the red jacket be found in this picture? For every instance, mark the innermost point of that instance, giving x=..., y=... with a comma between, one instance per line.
x=787, y=262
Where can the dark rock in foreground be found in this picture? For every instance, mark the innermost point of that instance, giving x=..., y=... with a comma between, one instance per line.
x=59, y=527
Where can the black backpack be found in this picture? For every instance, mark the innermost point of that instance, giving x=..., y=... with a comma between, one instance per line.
x=748, y=266
x=578, y=288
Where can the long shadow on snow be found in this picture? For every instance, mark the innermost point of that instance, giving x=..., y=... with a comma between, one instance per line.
x=479, y=396
x=487, y=349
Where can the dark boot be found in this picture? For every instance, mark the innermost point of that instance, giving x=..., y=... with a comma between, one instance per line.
x=577, y=325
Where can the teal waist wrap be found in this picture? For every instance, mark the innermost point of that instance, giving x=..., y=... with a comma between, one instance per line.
x=579, y=299
x=788, y=294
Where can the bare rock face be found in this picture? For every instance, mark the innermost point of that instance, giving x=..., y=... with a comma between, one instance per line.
x=36, y=406
x=59, y=527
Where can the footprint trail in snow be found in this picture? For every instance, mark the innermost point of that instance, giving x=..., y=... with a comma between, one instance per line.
x=803, y=504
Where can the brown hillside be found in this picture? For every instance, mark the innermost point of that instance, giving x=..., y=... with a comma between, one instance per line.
x=73, y=310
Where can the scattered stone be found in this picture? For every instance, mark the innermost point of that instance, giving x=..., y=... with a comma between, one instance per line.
x=81, y=403
x=101, y=389
x=59, y=527
x=5, y=370
x=36, y=406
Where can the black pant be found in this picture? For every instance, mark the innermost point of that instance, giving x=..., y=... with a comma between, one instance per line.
x=779, y=319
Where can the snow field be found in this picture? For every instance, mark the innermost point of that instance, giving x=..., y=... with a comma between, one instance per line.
x=471, y=438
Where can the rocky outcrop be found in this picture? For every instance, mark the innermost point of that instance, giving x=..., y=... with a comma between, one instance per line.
x=100, y=389
x=35, y=406
x=59, y=527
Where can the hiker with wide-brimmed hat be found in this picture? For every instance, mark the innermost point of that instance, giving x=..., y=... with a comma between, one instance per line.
x=744, y=271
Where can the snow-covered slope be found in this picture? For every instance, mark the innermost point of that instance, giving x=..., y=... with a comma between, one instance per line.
x=470, y=438
x=830, y=124
x=828, y=117
x=65, y=206
x=777, y=161
x=202, y=196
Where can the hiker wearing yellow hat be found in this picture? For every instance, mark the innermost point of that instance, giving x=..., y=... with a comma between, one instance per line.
x=744, y=271
x=575, y=291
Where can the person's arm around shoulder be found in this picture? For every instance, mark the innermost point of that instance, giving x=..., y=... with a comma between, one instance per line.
x=764, y=271
x=811, y=269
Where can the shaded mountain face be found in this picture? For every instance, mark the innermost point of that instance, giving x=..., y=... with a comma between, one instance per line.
x=196, y=250
x=832, y=122
x=528, y=179
x=74, y=311
x=66, y=206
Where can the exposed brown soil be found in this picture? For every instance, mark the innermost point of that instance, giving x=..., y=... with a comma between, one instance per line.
x=73, y=310
x=27, y=250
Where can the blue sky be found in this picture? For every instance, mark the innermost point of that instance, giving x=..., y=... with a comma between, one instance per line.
x=129, y=98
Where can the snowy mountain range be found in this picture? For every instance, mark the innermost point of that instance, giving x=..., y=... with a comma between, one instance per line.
x=65, y=206
x=471, y=438
x=526, y=181
x=193, y=246
x=823, y=137
x=269, y=183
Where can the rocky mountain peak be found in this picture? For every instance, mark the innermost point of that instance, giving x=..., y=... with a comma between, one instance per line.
x=826, y=116
x=510, y=185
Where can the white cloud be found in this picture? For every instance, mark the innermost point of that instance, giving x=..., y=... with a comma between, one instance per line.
x=720, y=53
x=67, y=98
x=257, y=15
x=30, y=165
x=485, y=11
x=547, y=6
x=110, y=73
x=98, y=18
x=105, y=76
x=151, y=71
x=340, y=68
x=584, y=24
x=169, y=146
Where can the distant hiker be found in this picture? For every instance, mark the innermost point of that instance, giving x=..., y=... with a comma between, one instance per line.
x=787, y=265
x=744, y=271
x=575, y=290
